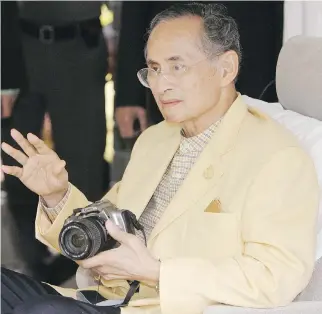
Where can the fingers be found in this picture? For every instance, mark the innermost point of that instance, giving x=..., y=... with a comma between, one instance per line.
x=101, y=264
x=110, y=273
x=7, y=103
x=116, y=277
x=41, y=147
x=95, y=261
x=23, y=143
x=102, y=259
x=126, y=127
x=120, y=236
x=14, y=153
x=30, y=147
x=125, y=117
x=142, y=118
x=12, y=170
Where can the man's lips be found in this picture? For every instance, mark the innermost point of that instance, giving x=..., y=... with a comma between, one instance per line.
x=170, y=102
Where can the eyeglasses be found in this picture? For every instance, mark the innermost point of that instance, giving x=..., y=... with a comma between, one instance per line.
x=149, y=76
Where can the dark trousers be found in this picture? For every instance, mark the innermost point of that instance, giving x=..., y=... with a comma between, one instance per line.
x=69, y=78
x=27, y=116
x=23, y=295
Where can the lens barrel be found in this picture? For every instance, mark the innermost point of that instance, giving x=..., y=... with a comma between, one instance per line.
x=84, y=238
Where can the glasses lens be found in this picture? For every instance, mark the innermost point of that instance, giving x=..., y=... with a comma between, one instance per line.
x=144, y=76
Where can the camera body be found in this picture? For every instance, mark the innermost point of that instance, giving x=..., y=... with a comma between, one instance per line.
x=84, y=234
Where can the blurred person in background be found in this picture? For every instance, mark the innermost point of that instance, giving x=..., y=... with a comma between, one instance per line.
x=65, y=58
x=12, y=64
x=261, y=30
x=22, y=110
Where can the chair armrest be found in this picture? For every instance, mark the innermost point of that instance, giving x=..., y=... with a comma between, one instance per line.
x=307, y=307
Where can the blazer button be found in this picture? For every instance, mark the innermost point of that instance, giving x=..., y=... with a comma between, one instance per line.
x=209, y=172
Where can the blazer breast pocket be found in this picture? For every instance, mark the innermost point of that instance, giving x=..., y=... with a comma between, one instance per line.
x=212, y=234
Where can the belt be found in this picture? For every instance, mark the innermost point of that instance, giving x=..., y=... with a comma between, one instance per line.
x=48, y=34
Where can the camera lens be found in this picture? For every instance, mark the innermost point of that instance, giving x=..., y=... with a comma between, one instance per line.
x=84, y=238
x=78, y=240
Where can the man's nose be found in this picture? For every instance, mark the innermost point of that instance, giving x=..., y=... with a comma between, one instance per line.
x=162, y=84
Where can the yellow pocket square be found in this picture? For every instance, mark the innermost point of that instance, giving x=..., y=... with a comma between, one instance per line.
x=214, y=207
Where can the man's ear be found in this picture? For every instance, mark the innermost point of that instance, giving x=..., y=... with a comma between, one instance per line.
x=229, y=65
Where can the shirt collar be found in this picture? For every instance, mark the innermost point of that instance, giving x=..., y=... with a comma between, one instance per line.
x=198, y=142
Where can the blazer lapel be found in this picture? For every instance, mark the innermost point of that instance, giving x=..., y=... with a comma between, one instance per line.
x=150, y=174
x=204, y=175
x=208, y=169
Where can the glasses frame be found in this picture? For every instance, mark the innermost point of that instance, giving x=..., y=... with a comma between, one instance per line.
x=164, y=74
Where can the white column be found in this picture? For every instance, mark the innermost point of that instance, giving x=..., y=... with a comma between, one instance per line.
x=302, y=18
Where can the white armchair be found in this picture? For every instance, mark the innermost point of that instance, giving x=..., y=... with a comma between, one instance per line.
x=299, y=88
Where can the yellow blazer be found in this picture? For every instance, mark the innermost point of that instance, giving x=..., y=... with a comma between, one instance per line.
x=241, y=229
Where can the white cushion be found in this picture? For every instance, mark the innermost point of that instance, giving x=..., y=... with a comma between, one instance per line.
x=309, y=133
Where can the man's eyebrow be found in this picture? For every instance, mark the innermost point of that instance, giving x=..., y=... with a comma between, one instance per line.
x=151, y=62
x=173, y=58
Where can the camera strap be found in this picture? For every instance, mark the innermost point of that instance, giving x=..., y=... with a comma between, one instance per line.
x=134, y=285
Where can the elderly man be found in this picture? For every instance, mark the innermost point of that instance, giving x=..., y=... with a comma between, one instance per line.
x=227, y=197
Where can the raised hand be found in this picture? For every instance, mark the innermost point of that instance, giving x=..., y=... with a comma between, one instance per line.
x=42, y=171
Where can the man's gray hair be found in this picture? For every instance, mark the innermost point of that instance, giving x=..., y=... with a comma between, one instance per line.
x=220, y=30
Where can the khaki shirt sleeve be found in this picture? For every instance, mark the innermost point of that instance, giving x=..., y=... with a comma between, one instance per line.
x=52, y=212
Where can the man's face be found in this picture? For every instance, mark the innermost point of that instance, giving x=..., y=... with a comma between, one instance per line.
x=190, y=86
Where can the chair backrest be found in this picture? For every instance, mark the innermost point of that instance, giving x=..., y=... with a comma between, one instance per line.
x=299, y=76
x=299, y=89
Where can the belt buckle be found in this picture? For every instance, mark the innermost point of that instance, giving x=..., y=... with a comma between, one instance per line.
x=47, y=34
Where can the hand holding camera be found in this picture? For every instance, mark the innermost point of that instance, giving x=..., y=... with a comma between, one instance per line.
x=131, y=260
x=42, y=171
x=103, y=237
x=84, y=234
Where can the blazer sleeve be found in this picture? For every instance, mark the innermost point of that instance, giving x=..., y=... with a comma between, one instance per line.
x=278, y=234
x=130, y=59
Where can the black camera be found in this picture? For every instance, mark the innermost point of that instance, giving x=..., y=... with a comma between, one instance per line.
x=84, y=234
